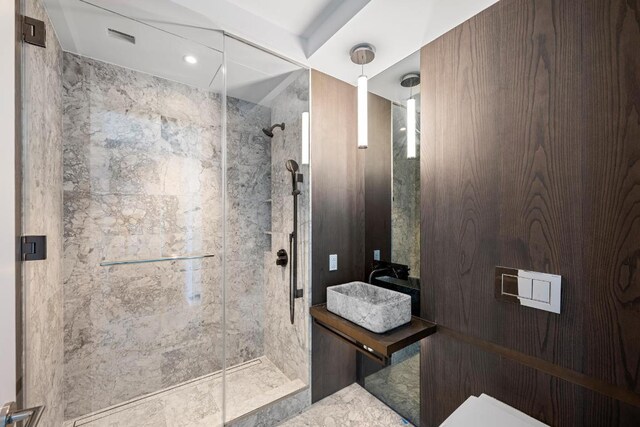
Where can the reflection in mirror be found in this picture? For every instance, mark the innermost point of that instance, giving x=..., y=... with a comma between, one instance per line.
x=405, y=206
x=398, y=385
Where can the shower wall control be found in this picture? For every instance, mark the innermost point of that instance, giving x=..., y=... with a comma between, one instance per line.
x=529, y=288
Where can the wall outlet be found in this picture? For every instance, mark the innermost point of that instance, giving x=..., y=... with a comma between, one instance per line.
x=376, y=255
x=333, y=262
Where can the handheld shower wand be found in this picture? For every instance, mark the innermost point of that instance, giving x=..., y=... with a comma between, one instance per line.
x=296, y=177
x=294, y=292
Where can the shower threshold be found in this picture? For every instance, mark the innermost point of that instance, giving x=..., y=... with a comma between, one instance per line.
x=198, y=402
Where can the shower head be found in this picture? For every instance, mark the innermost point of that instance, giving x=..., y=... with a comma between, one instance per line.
x=269, y=131
x=292, y=166
x=296, y=177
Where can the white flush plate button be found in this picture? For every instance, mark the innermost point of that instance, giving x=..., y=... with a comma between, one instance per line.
x=529, y=288
x=541, y=291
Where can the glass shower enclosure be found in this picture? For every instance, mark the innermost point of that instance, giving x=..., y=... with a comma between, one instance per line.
x=177, y=204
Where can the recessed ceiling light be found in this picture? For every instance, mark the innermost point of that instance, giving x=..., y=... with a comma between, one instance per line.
x=190, y=59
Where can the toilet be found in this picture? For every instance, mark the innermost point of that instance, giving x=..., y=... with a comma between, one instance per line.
x=485, y=411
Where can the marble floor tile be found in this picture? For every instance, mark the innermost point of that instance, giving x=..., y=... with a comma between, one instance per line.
x=350, y=407
x=398, y=386
x=198, y=403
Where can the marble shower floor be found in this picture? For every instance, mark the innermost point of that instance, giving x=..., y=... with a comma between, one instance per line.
x=198, y=403
x=350, y=407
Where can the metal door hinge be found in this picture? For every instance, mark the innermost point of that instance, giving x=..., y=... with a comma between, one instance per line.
x=34, y=248
x=34, y=31
x=9, y=415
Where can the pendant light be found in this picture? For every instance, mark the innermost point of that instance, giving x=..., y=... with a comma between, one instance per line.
x=363, y=54
x=411, y=80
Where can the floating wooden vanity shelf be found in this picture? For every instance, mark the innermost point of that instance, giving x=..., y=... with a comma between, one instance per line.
x=378, y=347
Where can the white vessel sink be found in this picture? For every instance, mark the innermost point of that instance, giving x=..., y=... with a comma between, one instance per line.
x=372, y=307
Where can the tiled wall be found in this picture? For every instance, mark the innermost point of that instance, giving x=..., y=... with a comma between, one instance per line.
x=405, y=210
x=248, y=219
x=286, y=345
x=42, y=215
x=142, y=178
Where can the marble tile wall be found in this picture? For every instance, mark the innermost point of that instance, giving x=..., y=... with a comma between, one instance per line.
x=286, y=345
x=405, y=209
x=248, y=220
x=142, y=179
x=42, y=214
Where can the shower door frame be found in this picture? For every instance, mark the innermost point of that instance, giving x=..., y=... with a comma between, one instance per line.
x=10, y=192
x=224, y=161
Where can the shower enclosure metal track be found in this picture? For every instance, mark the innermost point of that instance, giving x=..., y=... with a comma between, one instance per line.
x=146, y=261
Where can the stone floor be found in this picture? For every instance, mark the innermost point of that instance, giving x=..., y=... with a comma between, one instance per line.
x=198, y=403
x=350, y=407
x=398, y=386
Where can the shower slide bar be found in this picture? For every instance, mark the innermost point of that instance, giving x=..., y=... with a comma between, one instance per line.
x=146, y=261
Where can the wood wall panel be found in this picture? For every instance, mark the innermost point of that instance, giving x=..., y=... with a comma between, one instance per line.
x=337, y=191
x=346, y=182
x=333, y=364
x=377, y=181
x=531, y=159
x=611, y=206
x=469, y=370
x=337, y=184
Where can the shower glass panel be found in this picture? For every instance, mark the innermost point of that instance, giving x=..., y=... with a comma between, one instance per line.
x=143, y=221
x=266, y=355
x=176, y=207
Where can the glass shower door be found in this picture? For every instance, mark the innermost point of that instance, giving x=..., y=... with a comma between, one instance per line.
x=143, y=227
x=266, y=355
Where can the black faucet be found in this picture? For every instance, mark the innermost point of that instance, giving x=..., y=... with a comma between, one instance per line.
x=399, y=271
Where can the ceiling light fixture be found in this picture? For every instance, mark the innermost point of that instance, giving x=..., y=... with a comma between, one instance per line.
x=411, y=80
x=363, y=54
x=190, y=59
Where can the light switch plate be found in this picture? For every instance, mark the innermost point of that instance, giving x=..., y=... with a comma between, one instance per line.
x=376, y=255
x=333, y=262
x=529, y=288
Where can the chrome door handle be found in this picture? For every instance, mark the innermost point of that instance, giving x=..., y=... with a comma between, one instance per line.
x=9, y=415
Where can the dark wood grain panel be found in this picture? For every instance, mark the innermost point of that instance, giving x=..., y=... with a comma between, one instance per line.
x=385, y=344
x=472, y=371
x=377, y=181
x=337, y=191
x=530, y=158
x=611, y=206
x=333, y=364
x=506, y=161
x=337, y=185
x=541, y=162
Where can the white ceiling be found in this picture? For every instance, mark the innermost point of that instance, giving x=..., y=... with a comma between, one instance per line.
x=314, y=33
x=387, y=83
x=397, y=28
x=295, y=17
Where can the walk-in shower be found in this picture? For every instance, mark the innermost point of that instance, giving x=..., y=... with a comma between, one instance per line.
x=177, y=199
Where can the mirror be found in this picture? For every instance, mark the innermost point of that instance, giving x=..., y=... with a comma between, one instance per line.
x=405, y=199
x=393, y=159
